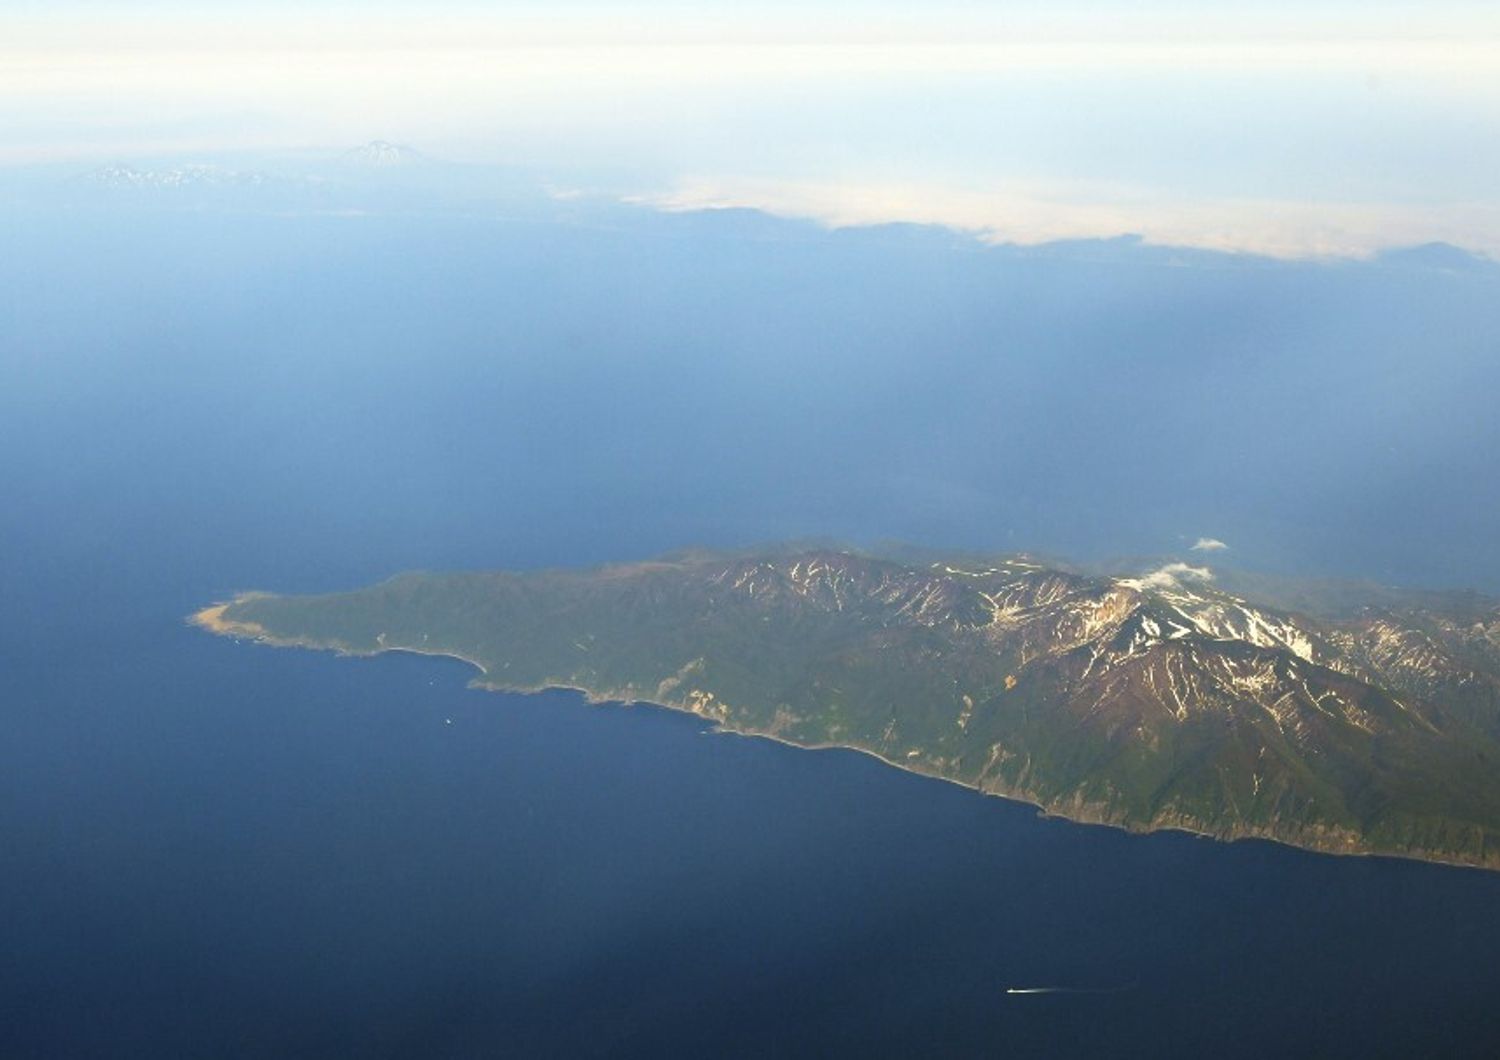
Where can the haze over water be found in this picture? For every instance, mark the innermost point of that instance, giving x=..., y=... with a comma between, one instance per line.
x=217, y=848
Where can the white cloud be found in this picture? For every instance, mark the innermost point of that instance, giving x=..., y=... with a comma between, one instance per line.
x=1032, y=213
x=1209, y=544
x=1170, y=577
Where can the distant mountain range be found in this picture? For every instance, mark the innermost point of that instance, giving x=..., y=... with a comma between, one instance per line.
x=383, y=163
x=206, y=176
x=1365, y=721
x=192, y=176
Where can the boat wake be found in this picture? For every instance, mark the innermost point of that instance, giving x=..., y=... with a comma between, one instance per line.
x=1069, y=989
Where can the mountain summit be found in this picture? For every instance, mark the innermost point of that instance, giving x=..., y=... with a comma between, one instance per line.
x=381, y=154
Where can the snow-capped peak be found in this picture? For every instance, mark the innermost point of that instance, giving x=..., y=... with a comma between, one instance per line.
x=382, y=154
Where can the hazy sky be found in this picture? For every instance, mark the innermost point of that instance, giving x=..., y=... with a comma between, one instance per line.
x=1292, y=128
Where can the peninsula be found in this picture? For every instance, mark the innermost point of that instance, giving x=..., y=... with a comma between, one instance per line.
x=1347, y=719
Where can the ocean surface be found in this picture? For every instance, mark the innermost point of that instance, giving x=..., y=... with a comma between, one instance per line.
x=210, y=848
x=217, y=848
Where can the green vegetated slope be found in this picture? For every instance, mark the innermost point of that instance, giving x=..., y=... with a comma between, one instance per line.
x=1147, y=702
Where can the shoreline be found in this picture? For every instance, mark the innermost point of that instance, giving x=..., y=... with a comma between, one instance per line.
x=211, y=619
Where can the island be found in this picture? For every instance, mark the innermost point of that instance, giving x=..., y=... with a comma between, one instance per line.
x=1336, y=717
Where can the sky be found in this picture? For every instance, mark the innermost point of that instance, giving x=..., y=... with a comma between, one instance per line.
x=1315, y=129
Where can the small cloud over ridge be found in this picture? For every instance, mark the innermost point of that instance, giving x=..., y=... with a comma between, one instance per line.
x=1209, y=544
x=1170, y=577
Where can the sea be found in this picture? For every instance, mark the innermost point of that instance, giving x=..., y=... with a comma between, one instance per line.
x=215, y=848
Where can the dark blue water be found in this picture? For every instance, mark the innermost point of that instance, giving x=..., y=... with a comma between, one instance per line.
x=213, y=848
x=216, y=849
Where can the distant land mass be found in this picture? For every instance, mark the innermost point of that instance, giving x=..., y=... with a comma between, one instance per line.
x=1332, y=716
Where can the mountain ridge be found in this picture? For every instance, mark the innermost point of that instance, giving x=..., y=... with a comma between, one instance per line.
x=1149, y=701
